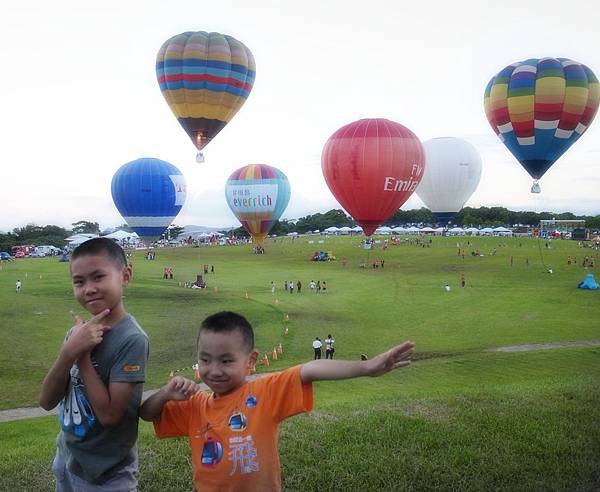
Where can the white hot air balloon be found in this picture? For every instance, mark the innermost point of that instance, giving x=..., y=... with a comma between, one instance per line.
x=452, y=173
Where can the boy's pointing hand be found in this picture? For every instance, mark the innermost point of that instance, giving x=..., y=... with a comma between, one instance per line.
x=394, y=358
x=86, y=334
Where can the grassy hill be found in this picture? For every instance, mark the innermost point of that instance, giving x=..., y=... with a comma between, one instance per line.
x=462, y=417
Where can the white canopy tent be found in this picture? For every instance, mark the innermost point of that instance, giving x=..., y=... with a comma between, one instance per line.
x=121, y=235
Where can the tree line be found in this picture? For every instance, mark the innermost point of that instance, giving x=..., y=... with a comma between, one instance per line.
x=467, y=217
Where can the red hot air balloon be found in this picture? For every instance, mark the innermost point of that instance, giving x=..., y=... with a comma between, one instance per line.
x=372, y=166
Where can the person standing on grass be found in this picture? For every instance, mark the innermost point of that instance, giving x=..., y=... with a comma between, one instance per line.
x=18, y=286
x=299, y=286
x=317, y=344
x=98, y=378
x=329, y=349
x=462, y=280
x=234, y=431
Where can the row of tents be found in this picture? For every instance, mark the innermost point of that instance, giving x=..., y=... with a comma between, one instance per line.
x=454, y=231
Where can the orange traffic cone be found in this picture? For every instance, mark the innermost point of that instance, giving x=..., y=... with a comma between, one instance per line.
x=287, y=316
x=274, y=353
x=286, y=331
x=280, y=349
x=170, y=376
x=266, y=361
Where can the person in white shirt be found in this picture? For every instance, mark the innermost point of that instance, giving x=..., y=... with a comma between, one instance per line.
x=18, y=286
x=317, y=344
x=329, y=350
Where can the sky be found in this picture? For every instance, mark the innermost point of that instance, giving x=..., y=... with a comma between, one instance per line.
x=79, y=97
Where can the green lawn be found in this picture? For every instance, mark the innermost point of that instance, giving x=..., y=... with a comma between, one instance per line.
x=460, y=418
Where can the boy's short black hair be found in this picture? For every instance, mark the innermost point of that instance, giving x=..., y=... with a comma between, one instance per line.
x=101, y=246
x=228, y=321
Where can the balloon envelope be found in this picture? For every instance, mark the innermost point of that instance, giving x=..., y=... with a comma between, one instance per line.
x=452, y=173
x=257, y=195
x=205, y=78
x=149, y=193
x=540, y=107
x=372, y=166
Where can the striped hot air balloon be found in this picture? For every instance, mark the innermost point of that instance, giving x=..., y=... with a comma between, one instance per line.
x=149, y=193
x=205, y=78
x=257, y=195
x=540, y=107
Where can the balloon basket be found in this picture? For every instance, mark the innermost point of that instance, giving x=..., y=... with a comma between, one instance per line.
x=199, y=157
x=535, y=187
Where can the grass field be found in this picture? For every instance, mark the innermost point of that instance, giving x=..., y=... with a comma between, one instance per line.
x=461, y=417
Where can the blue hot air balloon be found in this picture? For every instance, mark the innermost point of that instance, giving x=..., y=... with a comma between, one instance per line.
x=149, y=193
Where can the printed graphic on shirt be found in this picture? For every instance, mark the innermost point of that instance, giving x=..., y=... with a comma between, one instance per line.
x=212, y=452
x=75, y=413
x=251, y=401
x=243, y=455
x=238, y=422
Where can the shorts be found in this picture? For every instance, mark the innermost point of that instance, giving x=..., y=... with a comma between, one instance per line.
x=125, y=480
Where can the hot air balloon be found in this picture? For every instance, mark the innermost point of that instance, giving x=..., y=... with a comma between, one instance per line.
x=205, y=78
x=257, y=195
x=540, y=107
x=372, y=166
x=452, y=173
x=149, y=193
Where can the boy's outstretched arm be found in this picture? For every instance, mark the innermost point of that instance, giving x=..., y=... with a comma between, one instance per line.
x=177, y=388
x=323, y=369
x=83, y=338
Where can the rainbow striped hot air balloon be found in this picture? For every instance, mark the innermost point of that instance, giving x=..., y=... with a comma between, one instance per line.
x=257, y=195
x=540, y=107
x=149, y=193
x=205, y=78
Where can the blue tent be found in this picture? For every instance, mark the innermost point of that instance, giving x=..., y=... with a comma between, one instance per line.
x=589, y=282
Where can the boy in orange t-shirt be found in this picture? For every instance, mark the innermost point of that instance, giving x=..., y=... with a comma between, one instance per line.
x=234, y=430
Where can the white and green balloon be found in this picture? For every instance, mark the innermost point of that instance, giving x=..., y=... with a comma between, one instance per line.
x=452, y=173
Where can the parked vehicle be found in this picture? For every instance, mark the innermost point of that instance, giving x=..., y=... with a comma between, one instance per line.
x=4, y=256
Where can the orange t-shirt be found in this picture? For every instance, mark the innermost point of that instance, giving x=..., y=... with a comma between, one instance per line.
x=234, y=437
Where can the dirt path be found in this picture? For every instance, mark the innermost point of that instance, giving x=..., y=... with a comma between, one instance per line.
x=31, y=412
x=545, y=346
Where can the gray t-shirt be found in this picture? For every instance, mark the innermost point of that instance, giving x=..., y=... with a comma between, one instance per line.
x=91, y=451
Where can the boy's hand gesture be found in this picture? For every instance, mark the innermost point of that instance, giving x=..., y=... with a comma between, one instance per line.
x=85, y=335
x=398, y=356
x=179, y=388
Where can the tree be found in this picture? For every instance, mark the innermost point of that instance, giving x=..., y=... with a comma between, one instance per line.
x=85, y=227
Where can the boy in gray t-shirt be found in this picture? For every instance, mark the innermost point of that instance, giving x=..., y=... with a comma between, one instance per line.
x=98, y=377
